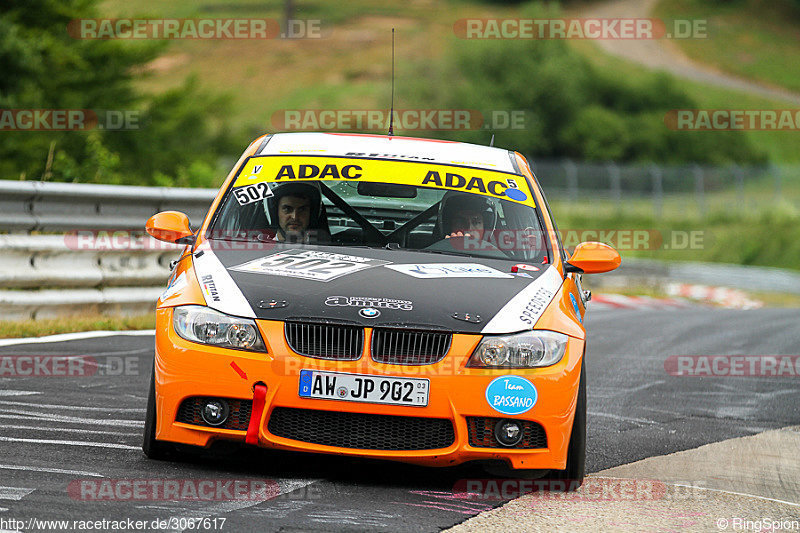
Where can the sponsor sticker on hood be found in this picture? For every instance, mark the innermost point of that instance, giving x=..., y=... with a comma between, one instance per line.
x=449, y=270
x=219, y=289
x=524, y=310
x=367, y=301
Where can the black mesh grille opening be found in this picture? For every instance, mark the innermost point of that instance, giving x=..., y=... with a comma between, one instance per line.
x=238, y=418
x=361, y=431
x=326, y=341
x=409, y=347
x=481, y=433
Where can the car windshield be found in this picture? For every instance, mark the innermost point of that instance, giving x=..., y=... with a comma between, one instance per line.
x=399, y=205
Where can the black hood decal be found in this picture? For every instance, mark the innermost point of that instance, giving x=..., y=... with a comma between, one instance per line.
x=336, y=284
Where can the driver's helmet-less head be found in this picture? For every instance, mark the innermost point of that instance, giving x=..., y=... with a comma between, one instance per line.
x=454, y=203
x=317, y=218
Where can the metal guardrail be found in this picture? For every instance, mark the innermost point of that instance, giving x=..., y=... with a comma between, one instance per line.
x=44, y=276
x=55, y=275
x=27, y=206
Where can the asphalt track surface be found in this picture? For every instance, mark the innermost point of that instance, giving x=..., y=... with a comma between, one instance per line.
x=56, y=432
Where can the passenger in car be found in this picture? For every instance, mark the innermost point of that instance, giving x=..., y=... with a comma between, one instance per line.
x=466, y=215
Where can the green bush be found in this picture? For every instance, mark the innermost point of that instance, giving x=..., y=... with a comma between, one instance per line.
x=573, y=108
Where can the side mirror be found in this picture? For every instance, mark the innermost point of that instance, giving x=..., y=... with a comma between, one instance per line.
x=170, y=226
x=593, y=258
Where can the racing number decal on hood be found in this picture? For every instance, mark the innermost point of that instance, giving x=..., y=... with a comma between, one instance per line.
x=308, y=264
x=523, y=310
x=219, y=289
x=280, y=169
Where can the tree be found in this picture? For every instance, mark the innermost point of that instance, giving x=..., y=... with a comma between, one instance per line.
x=45, y=68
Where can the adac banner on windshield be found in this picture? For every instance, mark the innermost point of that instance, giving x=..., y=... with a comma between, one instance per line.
x=285, y=169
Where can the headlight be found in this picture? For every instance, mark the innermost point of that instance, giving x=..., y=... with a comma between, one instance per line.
x=522, y=350
x=206, y=326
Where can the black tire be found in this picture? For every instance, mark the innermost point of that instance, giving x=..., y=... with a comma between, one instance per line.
x=576, y=452
x=152, y=448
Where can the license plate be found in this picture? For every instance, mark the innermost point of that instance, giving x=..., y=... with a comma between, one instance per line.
x=364, y=388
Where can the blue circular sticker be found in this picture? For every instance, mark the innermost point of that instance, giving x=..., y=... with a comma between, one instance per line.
x=511, y=395
x=516, y=194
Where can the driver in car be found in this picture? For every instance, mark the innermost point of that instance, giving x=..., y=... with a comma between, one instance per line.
x=298, y=210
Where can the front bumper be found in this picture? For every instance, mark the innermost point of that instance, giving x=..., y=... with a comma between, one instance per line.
x=184, y=369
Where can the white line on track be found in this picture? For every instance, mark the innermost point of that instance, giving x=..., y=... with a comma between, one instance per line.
x=49, y=417
x=746, y=495
x=18, y=393
x=73, y=407
x=72, y=443
x=623, y=418
x=64, y=337
x=50, y=470
x=285, y=485
x=14, y=493
x=793, y=504
x=70, y=430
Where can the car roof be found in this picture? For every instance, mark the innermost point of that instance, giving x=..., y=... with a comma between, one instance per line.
x=386, y=147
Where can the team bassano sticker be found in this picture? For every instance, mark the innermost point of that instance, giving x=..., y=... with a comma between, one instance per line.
x=308, y=264
x=511, y=395
x=449, y=270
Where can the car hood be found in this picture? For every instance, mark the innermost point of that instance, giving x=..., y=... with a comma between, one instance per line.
x=375, y=287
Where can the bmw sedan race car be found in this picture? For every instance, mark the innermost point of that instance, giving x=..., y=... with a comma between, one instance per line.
x=376, y=296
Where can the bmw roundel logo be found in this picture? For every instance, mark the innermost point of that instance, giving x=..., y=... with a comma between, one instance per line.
x=369, y=312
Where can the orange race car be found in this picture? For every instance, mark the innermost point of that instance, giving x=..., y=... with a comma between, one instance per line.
x=376, y=296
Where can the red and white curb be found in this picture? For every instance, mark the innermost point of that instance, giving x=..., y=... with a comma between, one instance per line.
x=682, y=295
x=618, y=301
x=720, y=296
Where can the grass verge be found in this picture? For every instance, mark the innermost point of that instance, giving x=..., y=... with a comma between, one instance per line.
x=770, y=239
x=53, y=326
x=756, y=39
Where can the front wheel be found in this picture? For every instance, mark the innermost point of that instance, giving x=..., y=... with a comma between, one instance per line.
x=576, y=452
x=151, y=447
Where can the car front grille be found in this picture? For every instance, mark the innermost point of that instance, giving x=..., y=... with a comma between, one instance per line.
x=238, y=419
x=361, y=431
x=326, y=341
x=409, y=347
x=481, y=433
